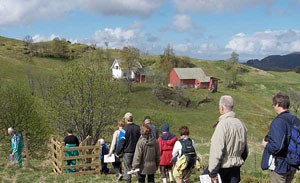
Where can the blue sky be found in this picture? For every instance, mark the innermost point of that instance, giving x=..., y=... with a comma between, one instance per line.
x=207, y=29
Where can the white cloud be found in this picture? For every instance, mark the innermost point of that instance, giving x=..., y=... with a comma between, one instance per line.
x=217, y=5
x=203, y=50
x=23, y=12
x=266, y=42
x=39, y=38
x=183, y=47
x=182, y=22
x=142, y=8
x=117, y=38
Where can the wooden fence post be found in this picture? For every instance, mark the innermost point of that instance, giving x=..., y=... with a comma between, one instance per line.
x=62, y=156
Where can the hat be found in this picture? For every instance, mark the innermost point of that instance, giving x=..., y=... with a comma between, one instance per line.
x=146, y=117
x=127, y=115
x=165, y=128
x=101, y=141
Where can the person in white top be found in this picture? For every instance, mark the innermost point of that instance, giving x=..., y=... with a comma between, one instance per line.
x=113, y=147
x=177, y=152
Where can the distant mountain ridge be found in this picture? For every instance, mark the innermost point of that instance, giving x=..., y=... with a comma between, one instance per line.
x=276, y=62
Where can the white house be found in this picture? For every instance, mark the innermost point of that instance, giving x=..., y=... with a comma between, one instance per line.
x=118, y=72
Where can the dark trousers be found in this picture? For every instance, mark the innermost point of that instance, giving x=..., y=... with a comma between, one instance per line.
x=228, y=175
x=127, y=158
x=150, y=177
x=104, y=168
x=117, y=167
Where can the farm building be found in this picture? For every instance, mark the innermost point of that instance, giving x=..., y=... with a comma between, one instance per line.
x=192, y=77
x=137, y=73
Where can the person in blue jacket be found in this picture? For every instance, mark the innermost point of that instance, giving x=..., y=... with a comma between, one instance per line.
x=277, y=141
x=104, y=151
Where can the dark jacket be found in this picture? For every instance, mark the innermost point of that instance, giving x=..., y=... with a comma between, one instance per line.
x=146, y=156
x=278, y=141
x=71, y=139
x=153, y=130
x=166, y=143
x=132, y=135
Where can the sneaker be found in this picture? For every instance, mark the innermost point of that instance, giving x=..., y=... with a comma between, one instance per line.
x=120, y=176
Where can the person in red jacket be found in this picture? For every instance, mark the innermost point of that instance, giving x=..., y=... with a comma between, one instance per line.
x=166, y=143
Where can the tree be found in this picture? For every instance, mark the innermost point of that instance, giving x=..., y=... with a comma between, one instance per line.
x=28, y=43
x=297, y=69
x=130, y=58
x=232, y=71
x=27, y=40
x=59, y=48
x=86, y=99
x=20, y=110
x=166, y=61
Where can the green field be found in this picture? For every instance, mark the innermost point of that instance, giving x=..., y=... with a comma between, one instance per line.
x=252, y=105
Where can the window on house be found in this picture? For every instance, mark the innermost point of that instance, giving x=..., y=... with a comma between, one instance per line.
x=117, y=67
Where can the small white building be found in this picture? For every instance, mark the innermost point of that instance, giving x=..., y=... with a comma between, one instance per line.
x=119, y=72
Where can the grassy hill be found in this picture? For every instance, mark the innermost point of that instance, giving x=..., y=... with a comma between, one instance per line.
x=252, y=105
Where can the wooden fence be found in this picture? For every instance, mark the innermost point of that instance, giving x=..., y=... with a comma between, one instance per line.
x=87, y=162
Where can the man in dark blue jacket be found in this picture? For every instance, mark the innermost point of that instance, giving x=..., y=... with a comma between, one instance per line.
x=277, y=142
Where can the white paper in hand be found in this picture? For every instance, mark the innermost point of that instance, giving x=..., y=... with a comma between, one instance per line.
x=206, y=179
x=133, y=171
x=109, y=159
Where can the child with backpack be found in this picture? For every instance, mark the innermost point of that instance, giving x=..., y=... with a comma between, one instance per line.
x=184, y=155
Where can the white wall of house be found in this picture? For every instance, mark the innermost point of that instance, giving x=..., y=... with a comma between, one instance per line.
x=118, y=72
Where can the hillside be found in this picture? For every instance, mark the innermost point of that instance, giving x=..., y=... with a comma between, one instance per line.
x=252, y=99
x=277, y=62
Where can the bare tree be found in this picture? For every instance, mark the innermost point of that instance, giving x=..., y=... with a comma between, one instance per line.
x=27, y=40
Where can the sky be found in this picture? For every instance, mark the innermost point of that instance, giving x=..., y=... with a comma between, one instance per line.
x=205, y=29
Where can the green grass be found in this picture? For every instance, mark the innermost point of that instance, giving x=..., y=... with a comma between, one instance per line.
x=252, y=106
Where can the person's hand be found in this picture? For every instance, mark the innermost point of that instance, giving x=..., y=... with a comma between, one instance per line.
x=215, y=179
x=109, y=154
x=263, y=143
x=132, y=172
x=12, y=154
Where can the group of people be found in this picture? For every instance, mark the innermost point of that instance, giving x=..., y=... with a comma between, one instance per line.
x=143, y=151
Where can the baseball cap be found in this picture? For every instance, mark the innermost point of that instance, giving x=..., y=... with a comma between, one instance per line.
x=128, y=114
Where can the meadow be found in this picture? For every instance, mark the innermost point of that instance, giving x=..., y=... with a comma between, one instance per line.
x=252, y=106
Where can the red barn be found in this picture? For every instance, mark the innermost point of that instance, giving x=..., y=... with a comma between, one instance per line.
x=192, y=77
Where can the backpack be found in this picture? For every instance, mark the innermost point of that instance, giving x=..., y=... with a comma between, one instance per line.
x=189, y=152
x=121, y=135
x=293, y=153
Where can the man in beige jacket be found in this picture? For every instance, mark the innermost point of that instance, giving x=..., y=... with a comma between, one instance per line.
x=228, y=149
